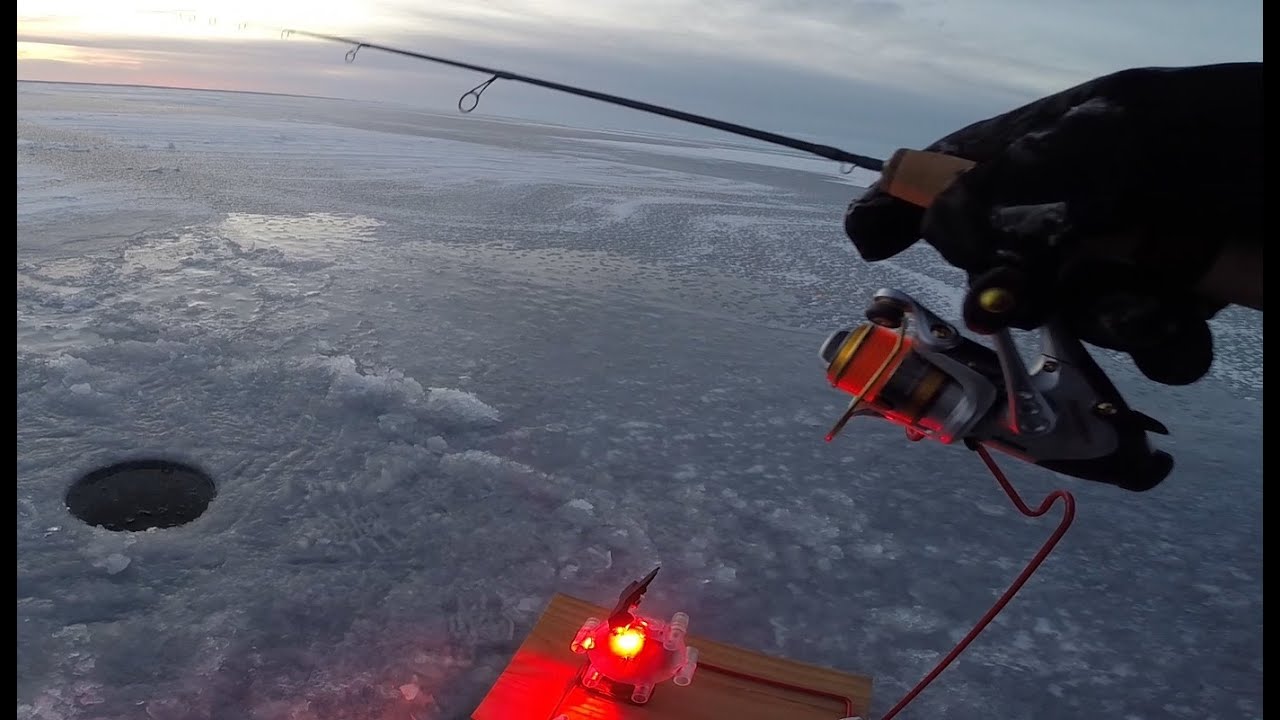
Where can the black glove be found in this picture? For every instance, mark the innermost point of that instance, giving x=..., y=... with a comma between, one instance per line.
x=1109, y=200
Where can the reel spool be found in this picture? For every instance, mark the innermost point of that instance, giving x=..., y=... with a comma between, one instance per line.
x=881, y=369
x=932, y=381
x=911, y=367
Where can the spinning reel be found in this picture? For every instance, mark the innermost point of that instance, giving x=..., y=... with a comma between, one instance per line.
x=911, y=367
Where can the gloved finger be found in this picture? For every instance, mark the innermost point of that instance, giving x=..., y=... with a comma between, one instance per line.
x=881, y=225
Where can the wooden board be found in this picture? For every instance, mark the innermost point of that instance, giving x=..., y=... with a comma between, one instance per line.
x=540, y=682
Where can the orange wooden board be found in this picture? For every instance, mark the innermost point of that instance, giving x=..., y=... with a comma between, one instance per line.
x=540, y=682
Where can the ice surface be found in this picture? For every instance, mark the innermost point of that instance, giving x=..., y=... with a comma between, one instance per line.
x=771, y=158
x=444, y=367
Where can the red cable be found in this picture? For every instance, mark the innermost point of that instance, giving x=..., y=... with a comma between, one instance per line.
x=1068, y=514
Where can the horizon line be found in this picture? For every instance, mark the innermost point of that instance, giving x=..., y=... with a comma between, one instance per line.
x=434, y=113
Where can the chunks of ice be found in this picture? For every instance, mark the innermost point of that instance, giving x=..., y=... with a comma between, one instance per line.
x=577, y=511
x=114, y=564
x=458, y=407
x=352, y=386
x=724, y=574
x=481, y=465
x=398, y=465
x=596, y=558
x=87, y=693
x=398, y=425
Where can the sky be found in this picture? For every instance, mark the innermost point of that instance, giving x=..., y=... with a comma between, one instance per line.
x=865, y=75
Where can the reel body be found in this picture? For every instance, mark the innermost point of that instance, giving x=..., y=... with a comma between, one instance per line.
x=911, y=367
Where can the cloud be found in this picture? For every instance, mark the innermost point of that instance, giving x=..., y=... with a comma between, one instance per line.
x=858, y=116
x=925, y=47
x=867, y=75
x=55, y=53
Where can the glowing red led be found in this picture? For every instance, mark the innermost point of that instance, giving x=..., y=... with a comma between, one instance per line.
x=626, y=641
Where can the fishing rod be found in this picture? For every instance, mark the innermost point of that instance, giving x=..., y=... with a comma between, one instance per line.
x=471, y=99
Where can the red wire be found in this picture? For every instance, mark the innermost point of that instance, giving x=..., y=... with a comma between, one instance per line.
x=1068, y=514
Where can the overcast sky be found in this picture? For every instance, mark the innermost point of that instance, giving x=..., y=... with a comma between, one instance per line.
x=867, y=75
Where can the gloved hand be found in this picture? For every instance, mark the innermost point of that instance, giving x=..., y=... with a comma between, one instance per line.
x=1110, y=200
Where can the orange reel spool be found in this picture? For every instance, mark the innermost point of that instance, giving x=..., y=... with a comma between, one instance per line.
x=866, y=359
x=881, y=369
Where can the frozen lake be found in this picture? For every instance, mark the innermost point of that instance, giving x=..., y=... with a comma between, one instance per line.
x=442, y=367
